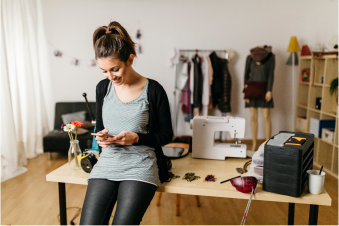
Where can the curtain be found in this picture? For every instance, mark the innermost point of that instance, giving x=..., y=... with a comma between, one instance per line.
x=25, y=85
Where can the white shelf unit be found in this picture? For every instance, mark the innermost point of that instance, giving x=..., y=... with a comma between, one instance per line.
x=322, y=71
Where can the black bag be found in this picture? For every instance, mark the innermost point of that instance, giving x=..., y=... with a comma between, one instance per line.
x=255, y=90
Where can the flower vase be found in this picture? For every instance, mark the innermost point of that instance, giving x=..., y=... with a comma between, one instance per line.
x=74, y=152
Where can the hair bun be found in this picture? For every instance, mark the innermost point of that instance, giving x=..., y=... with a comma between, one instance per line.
x=118, y=45
x=113, y=31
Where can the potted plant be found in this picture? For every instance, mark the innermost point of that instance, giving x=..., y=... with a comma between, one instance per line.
x=334, y=88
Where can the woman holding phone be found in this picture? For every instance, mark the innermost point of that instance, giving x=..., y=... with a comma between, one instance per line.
x=135, y=111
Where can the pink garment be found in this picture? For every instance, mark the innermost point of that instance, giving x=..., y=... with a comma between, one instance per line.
x=206, y=86
x=192, y=81
x=186, y=94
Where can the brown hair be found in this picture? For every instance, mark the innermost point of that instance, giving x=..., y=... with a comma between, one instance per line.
x=113, y=41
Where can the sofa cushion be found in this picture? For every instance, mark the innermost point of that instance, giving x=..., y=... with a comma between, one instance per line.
x=74, y=116
x=70, y=107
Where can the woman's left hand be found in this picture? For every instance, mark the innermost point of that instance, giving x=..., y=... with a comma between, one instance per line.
x=126, y=138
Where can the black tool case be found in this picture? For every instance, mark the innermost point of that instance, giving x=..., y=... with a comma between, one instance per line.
x=285, y=170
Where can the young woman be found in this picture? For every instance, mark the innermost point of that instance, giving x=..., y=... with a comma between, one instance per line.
x=136, y=111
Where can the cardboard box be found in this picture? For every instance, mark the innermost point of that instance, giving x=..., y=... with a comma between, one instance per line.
x=301, y=123
x=328, y=135
x=316, y=125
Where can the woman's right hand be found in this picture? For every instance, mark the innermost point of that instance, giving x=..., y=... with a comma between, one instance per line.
x=104, y=141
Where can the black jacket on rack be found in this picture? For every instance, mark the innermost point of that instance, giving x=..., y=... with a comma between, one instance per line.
x=198, y=82
x=222, y=84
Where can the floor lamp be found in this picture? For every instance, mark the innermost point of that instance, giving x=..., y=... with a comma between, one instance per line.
x=293, y=48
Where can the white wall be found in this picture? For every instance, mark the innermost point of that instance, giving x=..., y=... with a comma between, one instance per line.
x=189, y=24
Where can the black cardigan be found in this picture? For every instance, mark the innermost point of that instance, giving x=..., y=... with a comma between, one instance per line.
x=160, y=130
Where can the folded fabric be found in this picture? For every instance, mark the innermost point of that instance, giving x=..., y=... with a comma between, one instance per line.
x=255, y=90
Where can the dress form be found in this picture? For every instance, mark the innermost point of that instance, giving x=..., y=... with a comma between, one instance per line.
x=266, y=112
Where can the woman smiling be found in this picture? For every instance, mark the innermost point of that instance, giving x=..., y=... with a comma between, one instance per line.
x=134, y=109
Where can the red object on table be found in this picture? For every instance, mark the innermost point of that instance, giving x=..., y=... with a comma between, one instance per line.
x=210, y=178
x=245, y=184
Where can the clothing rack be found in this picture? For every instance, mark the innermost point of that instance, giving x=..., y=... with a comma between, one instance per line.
x=175, y=80
x=202, y=50
x=205, y=50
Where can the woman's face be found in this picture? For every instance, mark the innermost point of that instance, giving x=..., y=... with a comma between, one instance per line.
x=116, y=70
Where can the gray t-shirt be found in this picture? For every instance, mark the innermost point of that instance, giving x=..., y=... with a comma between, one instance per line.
x=126, y=162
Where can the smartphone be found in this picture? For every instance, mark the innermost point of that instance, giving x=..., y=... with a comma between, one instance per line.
x=101, y=135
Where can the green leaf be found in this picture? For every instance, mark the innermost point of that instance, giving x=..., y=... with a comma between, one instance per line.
x=334, y=86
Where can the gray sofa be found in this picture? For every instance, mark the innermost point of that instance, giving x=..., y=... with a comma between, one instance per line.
x=58, y=140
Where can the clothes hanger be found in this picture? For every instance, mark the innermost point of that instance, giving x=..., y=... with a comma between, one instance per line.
x=197, y=57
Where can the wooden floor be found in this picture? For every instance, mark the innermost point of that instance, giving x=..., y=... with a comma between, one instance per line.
x=28, y=199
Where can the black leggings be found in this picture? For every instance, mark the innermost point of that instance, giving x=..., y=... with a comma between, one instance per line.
x=133, y=199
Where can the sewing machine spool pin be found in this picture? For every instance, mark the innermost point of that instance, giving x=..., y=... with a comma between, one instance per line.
x=236, y=140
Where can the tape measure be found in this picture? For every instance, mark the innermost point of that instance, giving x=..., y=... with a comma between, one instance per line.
x=88, y=161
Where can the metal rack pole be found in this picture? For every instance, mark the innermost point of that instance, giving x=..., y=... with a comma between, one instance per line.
x=174, y=101
x=203, y=50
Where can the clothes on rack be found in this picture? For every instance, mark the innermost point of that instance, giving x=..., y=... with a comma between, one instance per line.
x=196, y=78
x=184, y=110
x=222, y=84
x=209, y=84
x=192, y=81
x=217, y=78
x=185, y=99
x=206, y=87
x=225, y=99
x=197, y=84
x=210, y=75
x=183, y=76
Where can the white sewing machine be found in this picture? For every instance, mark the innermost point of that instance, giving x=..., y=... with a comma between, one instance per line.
x=203, y=144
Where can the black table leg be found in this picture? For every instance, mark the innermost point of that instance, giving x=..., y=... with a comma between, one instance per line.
x=62, y=204
x=291, y=213
x=313, y=219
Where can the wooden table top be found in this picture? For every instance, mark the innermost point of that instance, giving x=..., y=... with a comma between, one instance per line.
x=221, y=169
